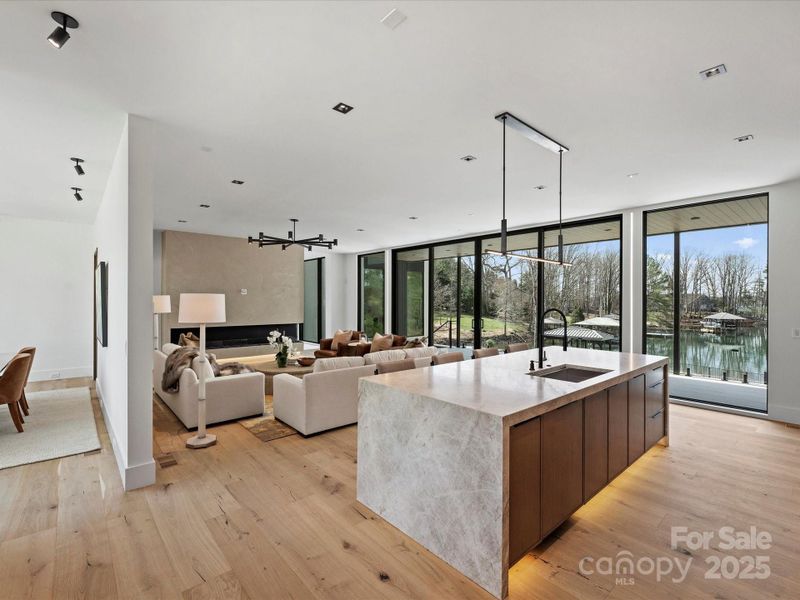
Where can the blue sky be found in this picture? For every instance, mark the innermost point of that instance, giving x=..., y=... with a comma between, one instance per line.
x=751, y=239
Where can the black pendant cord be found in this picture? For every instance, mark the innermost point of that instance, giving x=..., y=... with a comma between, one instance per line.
x=503, y=223
x=560, y=235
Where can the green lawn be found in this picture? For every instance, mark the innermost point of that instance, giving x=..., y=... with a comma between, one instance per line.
x=491, y=327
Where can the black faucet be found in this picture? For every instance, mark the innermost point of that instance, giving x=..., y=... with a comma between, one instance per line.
x=541, y=333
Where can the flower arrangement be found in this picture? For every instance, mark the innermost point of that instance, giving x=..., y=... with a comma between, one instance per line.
x=284, y=345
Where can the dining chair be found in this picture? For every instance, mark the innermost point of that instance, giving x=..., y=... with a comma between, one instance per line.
x=11, y=384
x=447, y=357
x=484, y=352
x=23, y=401
x=520, y=347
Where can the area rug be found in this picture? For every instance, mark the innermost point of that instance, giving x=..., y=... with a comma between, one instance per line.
x=266, y=428
x=61, y=423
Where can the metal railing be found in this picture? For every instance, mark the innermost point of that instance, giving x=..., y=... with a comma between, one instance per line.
x=692, y=370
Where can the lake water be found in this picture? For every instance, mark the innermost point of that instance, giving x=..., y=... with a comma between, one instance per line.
x=709, y=354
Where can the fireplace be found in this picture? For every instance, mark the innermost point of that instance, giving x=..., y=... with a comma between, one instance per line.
x=236, y=336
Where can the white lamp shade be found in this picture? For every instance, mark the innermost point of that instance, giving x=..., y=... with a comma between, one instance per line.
x=201, y=308
x=161, y=305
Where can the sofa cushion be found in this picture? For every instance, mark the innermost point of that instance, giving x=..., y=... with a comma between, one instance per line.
x=340, y=362
x=341, y=337
x=169, y=348
x=421, y=352
x=373, y=358
x=418, y=342
x=381, y=342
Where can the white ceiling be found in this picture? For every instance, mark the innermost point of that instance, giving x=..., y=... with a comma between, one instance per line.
x=255, y=82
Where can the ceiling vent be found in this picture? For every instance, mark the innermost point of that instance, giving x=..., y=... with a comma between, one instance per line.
x=393, y=19
x=743, y=138
x=713, y=72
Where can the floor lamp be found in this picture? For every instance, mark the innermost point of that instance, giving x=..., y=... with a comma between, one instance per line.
x=201, y=309
x=161, y=306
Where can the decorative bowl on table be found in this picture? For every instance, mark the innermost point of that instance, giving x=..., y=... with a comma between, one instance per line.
x=305, y=361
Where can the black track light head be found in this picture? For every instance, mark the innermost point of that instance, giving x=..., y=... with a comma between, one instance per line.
x=78, y=168
x=77, y=194
x=60, y=35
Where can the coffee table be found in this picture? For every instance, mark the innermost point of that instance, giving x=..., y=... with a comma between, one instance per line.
x=267, y=365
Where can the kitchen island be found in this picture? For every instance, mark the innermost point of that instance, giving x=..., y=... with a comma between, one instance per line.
x=479, y=460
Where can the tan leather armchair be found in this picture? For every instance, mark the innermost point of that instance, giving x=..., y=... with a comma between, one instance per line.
x=12, y=382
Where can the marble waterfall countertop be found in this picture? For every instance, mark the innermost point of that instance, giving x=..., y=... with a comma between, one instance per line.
x=433, y=447
x=501, y=385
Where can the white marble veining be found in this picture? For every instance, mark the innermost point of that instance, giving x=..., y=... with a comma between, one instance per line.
x=435, y=471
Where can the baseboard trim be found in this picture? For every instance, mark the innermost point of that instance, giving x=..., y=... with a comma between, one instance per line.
x=133, y=477
x=66, y=373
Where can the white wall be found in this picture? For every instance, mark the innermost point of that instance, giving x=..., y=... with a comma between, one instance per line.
x=123, y=234
x=340, y=290
x=46, y=300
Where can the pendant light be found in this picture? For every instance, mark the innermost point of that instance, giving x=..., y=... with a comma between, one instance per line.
x=546, y=142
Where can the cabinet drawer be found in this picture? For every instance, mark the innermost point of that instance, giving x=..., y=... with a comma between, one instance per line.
x=654, y=399
x=654, y=376
x=636, y=418
x=654, y=428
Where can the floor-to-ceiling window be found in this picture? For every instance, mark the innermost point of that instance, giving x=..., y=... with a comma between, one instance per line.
x=589, y=292
x=439, y=289
x=371, y=278
x=313, y=326
x=411, y=292
x=706, y=298
x=509, y=291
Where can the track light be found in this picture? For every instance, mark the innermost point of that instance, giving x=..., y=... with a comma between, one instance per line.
x=77, y=191
x=60, y=35
x=78, y=168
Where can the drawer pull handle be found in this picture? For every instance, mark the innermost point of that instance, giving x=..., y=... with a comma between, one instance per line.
x=656, y=414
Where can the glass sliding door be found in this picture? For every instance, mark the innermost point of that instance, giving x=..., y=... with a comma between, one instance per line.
x=453, y=295
x=590, y=291
x=313, y=326
x=707, y=298
x=371, y=276
x=411, y=292
x=509, y=288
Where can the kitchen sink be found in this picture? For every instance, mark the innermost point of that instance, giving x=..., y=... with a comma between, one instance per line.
x=571, y=373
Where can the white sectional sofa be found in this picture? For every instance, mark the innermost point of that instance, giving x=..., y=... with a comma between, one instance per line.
x=227, y=398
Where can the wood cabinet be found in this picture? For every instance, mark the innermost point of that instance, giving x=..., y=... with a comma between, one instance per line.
x=654, y=414
x=617, y=429
x=562, y=464
x=595, y=444
x=636, y=387
x=524, y=527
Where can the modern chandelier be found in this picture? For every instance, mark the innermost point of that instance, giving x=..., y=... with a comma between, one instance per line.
x=291, y=239
x=546, y=142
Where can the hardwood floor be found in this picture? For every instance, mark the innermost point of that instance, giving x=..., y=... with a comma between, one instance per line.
x=247, y=519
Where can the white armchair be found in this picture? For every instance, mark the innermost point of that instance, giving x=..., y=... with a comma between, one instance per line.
x=227, y=398
x=319, y=401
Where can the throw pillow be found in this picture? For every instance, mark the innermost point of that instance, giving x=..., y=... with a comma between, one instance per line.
x=420, y=342
x=381, y=342
x=189, y=340
x=341, y=337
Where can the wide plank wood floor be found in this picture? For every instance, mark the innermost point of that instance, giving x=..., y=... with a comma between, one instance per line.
x=250, y=520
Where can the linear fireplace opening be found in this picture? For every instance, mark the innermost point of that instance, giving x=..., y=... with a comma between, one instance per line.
x=236, y=336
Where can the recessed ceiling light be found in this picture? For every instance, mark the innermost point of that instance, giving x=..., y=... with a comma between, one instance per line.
x=540, y=187
x=695, y=218
x=182, y=221
x=343, y=108
x=77, y=193
x=393, y=18
x=60, y=35
x=413, y=218
x=632, y=175
x=469, y=158
x=713, y=72
x=205, y=206
x=77, y=166
x=206, y=148
x=359, y=229
x=743, y=138
x=237, y=181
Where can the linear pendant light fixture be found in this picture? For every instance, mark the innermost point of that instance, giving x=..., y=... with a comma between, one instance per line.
x=545, y=141
x=291, y=239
